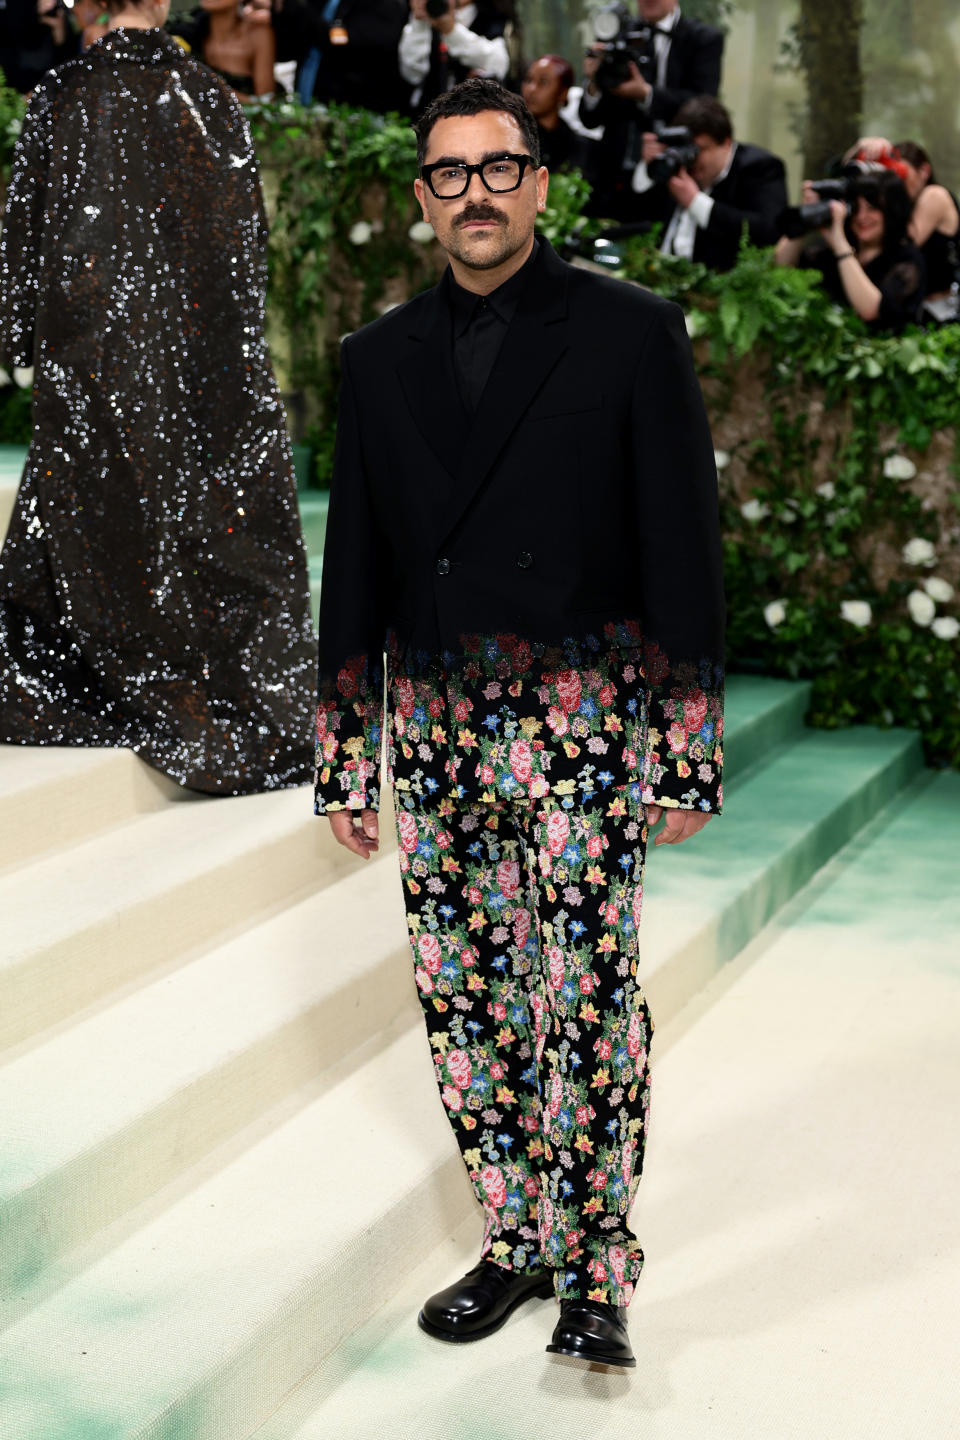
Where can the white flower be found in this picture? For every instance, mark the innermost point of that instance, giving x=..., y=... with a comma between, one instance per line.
x=721, y=459
x=946, y=627
x=827, y=489
x=13, y=127
x=938, y=589
x=775, y=613
x=898, y=467
x=919, y=552
x=360, y=233
x=5, y=379
x=856, y=612
x=23, y=376
x=421, y=232
x=754, y=510
x=921, y=607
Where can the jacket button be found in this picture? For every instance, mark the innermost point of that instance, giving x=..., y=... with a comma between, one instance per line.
x=443, y=566
x=524, y=559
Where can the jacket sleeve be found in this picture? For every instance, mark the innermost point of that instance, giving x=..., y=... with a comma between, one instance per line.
x=351, y=670
x=762, y=202
x=681, y=571
x=20, y=240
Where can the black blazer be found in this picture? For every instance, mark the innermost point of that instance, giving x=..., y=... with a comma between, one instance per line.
x=694, y=64
x=753, y=193
x=582, y=492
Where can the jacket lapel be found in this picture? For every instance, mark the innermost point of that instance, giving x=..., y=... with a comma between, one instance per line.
x=428, y=382
x=532, y=347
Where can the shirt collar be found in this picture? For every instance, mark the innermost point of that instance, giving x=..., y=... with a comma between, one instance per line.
x=503, y=301
x=666, y=25
x=725, y=171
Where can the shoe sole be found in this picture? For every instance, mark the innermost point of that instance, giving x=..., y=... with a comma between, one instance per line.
x=591, y=1359
x=451, y=1338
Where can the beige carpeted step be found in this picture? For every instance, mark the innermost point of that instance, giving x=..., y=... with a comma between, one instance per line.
x=51, y=798
x=79, y=925
x=199, y=1323
x=171, y=1070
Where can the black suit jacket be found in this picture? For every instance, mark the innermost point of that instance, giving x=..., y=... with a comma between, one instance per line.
x=694, y=64
x=753, y=193
x=579, y=500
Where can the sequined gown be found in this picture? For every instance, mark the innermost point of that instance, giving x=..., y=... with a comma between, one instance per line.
x=153, y=585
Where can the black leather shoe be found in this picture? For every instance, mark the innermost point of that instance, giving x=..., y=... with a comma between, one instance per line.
x=591, y=1330
x=479, y=1304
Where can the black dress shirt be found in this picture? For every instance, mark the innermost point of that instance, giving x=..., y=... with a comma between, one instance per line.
x=480, y=323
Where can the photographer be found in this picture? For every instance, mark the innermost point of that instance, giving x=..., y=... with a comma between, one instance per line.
x=865, y=255
x=707, y=187
x=656, y=63
x=444, y=41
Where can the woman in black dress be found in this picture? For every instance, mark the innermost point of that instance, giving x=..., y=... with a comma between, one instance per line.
x=866, y=257
x=153, y=585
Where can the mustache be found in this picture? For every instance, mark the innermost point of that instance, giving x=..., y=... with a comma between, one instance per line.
x=479, y=212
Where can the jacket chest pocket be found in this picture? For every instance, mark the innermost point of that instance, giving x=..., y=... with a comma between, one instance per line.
x=560, y=404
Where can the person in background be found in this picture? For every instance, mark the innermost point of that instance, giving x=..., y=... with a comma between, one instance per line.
x=546, y=87
x=437, y=51
x=865, y=255
x=935, y=221
x=35, y=35
x=705, y=206
x=685, y=61
x=153, y=581
x=241, y=53
x=92, y=21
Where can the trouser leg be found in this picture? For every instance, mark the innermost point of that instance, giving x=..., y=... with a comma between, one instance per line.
x=474, y=948
x=594, y=1066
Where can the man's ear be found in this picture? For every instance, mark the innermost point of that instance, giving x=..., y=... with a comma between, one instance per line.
x=418, y=190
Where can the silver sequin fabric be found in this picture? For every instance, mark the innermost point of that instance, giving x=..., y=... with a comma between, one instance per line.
x=153, y=584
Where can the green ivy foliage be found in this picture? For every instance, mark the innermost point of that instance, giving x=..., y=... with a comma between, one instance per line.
x=829, y=553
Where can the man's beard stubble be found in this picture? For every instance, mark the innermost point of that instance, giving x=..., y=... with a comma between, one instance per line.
x=507, y=247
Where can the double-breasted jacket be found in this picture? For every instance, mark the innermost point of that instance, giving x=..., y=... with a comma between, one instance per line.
x=543, y=576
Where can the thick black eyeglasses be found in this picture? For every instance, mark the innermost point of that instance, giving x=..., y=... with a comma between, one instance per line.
x=449, y=179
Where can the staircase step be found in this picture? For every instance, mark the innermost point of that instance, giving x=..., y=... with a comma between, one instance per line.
x=798, y=1206
x=51, y=798
x=705, y=900
x=80, y=925
x=761, y=712
x=177, y=1066
x=198, y=1325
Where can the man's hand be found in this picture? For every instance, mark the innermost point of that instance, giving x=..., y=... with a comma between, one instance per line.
x=51, y=14
x=443, y=23
x=653, y=147
x=636, y=88
x=683, y=188
x=679, y=824
x=362, y=838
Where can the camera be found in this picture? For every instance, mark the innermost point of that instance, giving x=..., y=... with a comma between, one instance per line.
x=623, y=39
x=436, y=8
x=799, y=220
x=679, y=154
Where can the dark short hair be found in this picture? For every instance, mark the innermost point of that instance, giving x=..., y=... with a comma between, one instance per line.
x=886, y=191
x=704, y=115
x=474, y=97
x=561, y=65
x=916, y=156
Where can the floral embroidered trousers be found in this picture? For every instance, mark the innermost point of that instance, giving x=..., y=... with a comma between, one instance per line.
x=523, y=921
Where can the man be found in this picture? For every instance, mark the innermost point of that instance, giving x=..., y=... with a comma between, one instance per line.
x=546, y=87
x=727, y=188
x=524, y=516
x=438, y=51
x=685, y=61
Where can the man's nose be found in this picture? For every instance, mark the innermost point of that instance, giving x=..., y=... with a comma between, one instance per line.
x=476, y=189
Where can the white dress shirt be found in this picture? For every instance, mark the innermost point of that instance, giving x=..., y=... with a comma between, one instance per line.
x=680, y=235
x=473, y=51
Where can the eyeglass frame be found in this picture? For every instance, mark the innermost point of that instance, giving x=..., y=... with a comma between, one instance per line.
x=426, y=173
